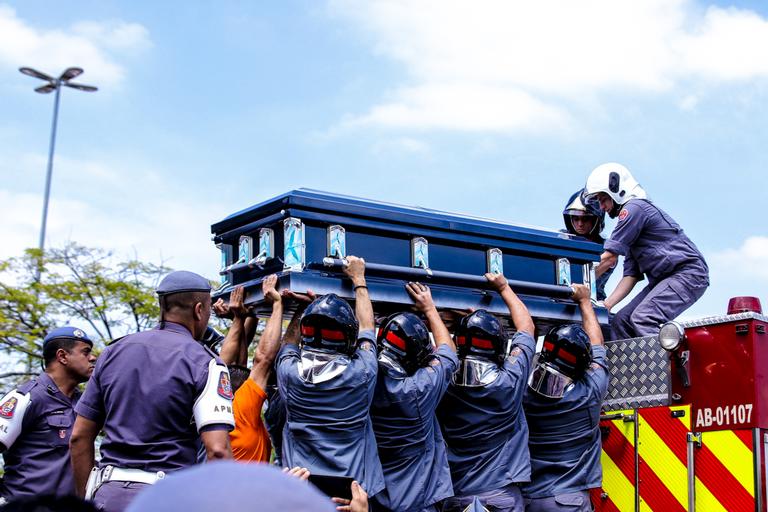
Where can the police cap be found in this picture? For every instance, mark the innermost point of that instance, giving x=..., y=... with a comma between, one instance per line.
x=181, y=281
x=67, y=332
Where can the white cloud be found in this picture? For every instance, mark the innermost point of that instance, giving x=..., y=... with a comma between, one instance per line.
x=401, y=145
x=464, y=107
x=93, y=204
x=540, y=61
x=750, y=261
x=689, y=102
x=90, y=45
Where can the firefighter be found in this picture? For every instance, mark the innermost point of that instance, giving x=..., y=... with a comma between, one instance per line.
x=36, y=419
x=585, y=218
x=481, y=414
x=327, y=385
x=412, y=380
x=654, y=246
x=153, y=393
x=562, y=406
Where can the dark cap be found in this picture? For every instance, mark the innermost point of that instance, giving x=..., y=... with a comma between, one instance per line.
x=181, y=281
x=67, y=333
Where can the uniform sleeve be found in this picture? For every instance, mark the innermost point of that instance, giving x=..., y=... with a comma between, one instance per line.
x=285, y=366
x=433, y=380
x=631, y=268
x=13, y=408
x=598, y=374
x=366, y=352
x=518, y=364
x=213, y=407
x=91, y=403
x=630, y=224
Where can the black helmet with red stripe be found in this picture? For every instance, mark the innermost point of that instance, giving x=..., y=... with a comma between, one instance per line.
x=405, y=338
x=480, y=334
x=564, y=359
x=329, y=323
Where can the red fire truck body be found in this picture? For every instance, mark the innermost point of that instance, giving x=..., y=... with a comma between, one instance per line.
x=685, y=428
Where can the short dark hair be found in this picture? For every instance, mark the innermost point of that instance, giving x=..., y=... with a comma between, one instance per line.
x=238, y=375
x=182, y=300
x=53, y=346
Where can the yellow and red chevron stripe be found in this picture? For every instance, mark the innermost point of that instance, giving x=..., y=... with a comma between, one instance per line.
x=723, y=465
x=618, y=459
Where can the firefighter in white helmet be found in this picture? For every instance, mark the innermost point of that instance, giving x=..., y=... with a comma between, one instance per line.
x=653, y=246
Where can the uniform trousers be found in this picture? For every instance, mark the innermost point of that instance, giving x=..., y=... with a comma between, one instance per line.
x=578, y=501
x=506, y=499
x=656, y=305
x=116, y=496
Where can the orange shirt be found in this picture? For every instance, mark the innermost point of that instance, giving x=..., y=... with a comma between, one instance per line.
x=250, y=440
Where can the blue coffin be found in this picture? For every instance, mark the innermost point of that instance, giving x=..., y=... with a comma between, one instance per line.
x=301, y=236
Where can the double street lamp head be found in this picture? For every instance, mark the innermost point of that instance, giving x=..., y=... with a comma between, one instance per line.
x=54, y=83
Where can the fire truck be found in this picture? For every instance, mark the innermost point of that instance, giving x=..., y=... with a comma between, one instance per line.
x=683, y=425
x=684, y=422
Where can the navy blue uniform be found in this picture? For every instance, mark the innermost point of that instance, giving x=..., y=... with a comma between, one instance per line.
x=35, y=425
x=564, y=441
x=328, y=428
x=486, y=433
x=411, y=446
x=654, y=246
x=146, y=390
x=274, y=420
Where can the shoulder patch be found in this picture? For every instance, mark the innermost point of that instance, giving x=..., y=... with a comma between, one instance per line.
x=225, y=386
x=8, y=407
x=623, y=214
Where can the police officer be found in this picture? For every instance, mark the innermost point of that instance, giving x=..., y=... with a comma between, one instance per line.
x=36, y=419
x=481, y=414
x=412, y=380
x=153, y=393
x=654, y=246
x=585, y=218
x=562, y=407
x=327, y=385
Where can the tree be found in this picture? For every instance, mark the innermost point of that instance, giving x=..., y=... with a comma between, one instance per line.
x=83, y=286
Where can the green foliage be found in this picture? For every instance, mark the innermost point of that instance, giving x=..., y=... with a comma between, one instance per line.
x=78, y=285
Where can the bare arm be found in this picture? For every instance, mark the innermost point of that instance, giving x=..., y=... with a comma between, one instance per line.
x=517, y=310
x=230, y=347
x=355, y=270
x=581, y=294
x=622, y=289
x=422, y=298
x=82, y=451
x=292, y=332
x=266, y=352
x=216, y=444
x=249, y=331
x=608, y=260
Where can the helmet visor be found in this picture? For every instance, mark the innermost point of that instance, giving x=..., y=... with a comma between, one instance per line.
x=475, y=372
x=317, y=365
x=548, y=382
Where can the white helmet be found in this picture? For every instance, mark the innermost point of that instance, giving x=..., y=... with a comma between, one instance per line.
x=616, y=181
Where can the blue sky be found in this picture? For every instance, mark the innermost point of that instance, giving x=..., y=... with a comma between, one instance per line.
x=493, y=108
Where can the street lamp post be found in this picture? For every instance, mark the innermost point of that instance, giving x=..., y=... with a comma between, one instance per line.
x=53, y=84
